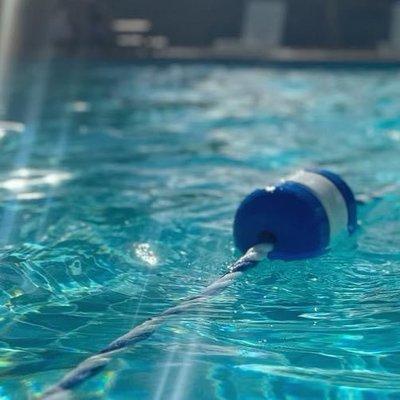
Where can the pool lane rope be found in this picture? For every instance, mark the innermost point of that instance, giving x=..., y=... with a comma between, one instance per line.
x=296, y=219
x=94, y=364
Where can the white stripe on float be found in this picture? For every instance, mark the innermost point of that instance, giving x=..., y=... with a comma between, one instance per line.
x=329, y=196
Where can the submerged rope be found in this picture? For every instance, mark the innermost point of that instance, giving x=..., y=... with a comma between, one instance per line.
x=94, y=364
x=364, y=198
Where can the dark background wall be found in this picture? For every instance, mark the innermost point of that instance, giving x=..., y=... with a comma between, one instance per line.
x=309, y=23
x=186, y=22
x=337, y=23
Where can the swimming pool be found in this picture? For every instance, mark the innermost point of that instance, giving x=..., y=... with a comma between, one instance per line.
x=118, y=187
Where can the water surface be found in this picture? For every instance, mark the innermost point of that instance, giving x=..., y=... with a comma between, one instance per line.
x=118, y=186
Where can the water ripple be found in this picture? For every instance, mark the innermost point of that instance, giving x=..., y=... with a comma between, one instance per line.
x=125, y=204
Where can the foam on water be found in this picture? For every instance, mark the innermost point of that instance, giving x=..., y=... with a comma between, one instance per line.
x=126, y=205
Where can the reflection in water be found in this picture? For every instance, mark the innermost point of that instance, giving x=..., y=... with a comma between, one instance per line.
x=80, y=106
x=25, y=179
x=10, y=127
x=146, y=254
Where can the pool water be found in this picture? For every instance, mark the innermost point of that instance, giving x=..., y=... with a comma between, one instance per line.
x=118, y=186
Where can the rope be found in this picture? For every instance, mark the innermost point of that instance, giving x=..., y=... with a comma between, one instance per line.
x=94, y=364
x=364, y=198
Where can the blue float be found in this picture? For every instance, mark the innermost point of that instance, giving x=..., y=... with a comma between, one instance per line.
x=301, y=215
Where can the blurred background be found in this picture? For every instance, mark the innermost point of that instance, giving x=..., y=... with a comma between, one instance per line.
x=208, y=29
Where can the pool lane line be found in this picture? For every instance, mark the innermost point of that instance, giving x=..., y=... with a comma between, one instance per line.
x=316, y=188
x=96, y=363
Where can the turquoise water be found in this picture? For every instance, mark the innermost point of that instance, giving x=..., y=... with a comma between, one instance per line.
x=118, y=186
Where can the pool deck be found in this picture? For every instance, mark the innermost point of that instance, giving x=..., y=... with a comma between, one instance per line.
x=282, y=57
